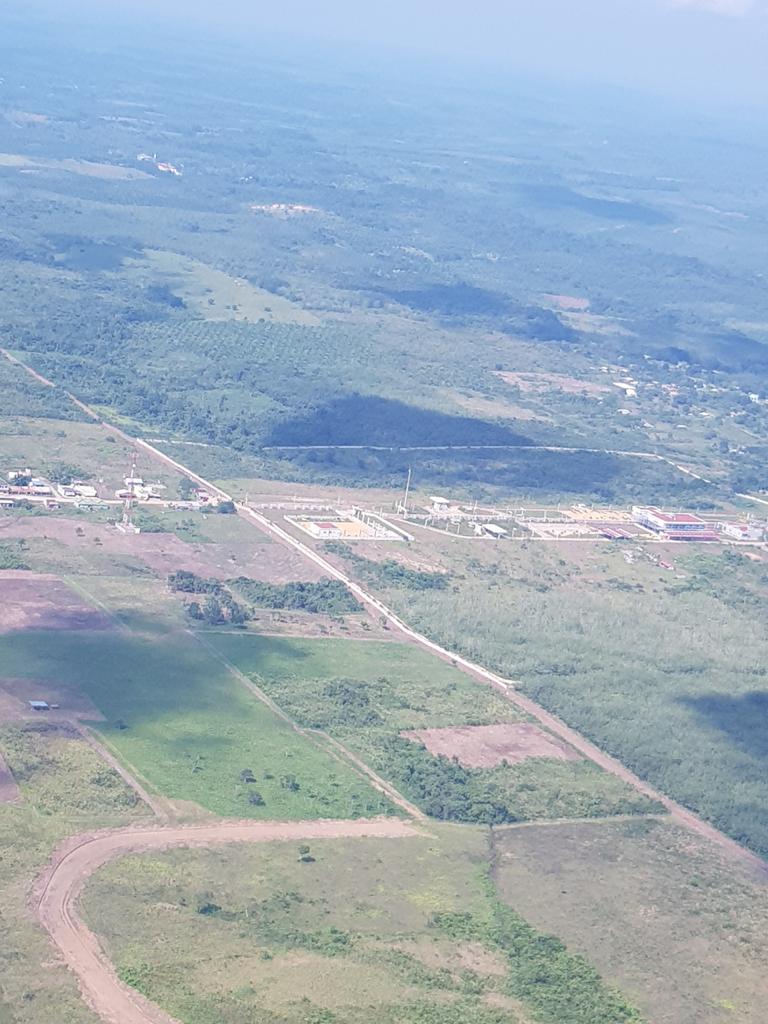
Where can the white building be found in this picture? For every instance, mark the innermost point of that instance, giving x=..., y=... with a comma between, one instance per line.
x=744, y=531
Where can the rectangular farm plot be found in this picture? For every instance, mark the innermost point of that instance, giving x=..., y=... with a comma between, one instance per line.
x=180, y=720
x=31, y=602
x=486, y=746
x=371, y=695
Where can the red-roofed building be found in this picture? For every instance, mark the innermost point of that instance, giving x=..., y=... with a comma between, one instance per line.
x=674, y=525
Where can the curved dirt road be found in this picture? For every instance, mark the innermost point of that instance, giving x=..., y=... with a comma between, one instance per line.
x=58, y=889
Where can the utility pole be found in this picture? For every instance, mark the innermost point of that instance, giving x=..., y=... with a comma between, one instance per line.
x=407, y=491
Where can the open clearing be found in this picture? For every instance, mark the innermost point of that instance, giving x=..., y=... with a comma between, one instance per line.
x=396, y=927
x=72, y=864
x=207, y=547
x=95, y=449
x=215, y=295
x=107, y=172
x=188, y=728
x=44, y=602
x=485, y=746
x=539, y=383
x=661, y=913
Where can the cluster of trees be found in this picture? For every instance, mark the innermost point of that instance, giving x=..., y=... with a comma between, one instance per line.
x=444, y=788
x=218, y=610
x=10, y=558
x=388, y=573
x=190, y=583
x=65, y=473
x=325, y=597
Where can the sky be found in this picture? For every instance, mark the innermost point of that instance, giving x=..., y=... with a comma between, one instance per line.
x=702, y=49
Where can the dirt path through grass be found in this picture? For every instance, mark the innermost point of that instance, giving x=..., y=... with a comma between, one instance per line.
x=56, y=894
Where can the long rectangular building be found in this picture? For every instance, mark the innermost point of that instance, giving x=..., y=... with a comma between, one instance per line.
x=674, y=525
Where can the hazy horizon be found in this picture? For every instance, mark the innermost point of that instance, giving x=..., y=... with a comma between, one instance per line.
x=706, y=50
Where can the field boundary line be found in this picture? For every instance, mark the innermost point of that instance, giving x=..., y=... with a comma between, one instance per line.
x=602, y=819
x=329, y=745
x=75, y=584
x=126, y=772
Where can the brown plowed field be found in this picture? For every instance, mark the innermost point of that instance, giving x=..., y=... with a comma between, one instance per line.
x=485, y=746
x=29, y=601
x=55, y=898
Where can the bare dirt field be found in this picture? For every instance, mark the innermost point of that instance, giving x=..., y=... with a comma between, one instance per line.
x=539, y=383
x=485, y=746
x=164, y=553
x=57, y=892
x=44, y=602
x=9, y=791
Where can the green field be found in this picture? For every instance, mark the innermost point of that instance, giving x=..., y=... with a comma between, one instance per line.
x=659, y=911
x=177, y=716
x=403, y=931
x=100, y=454
x=366, y=693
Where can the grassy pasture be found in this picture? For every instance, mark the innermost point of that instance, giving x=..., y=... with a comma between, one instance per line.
x=60, y=775
x=653, y=907
x=396, y=931
x=215, y=295
x=176, y=714
x=366, y=693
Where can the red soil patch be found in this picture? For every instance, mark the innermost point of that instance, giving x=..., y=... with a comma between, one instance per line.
x=485, y=746
x=44, y=602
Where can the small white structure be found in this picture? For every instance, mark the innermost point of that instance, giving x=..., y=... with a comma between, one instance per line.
x=492, y=530
x=84, y=490
x=439, y=504
x=744, y=531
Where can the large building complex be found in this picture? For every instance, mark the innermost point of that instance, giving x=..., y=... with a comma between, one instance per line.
x=674, y=525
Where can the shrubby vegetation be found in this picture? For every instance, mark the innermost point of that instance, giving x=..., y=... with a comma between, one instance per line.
x=387, y=573
x=559, y=987
x=325, y=597
x=670, y=679
x=11, y=557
